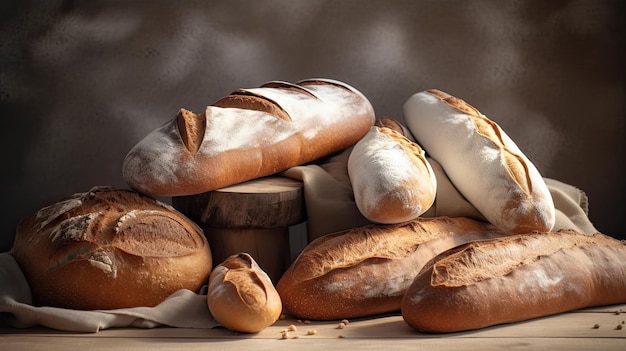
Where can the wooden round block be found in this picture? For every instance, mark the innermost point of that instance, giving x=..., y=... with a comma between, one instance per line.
x=252, y=217
x=269, y=202
x=269, y=247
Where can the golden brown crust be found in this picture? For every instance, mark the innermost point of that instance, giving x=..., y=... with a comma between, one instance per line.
x=516, y=278
x=391, y=124
x=246, y=100
x=191, y=129
x=110, y=248
x=365, y=271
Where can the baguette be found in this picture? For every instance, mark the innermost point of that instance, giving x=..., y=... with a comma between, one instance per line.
x=391, y=179
x=365, y=271
x=484, y=164
x=241, y=295
x=516, y=278
x=110, y=248
x=246, y=135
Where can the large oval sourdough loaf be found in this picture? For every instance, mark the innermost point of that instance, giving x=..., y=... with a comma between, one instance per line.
x=109, y=248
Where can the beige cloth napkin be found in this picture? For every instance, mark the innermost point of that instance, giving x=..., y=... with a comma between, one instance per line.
x=330, y=202
x=330, y=208
x=184, y=309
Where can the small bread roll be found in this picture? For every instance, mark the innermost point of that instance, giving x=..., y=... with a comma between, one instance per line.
x=391, y=179
x=480, y=159
x=241, y=295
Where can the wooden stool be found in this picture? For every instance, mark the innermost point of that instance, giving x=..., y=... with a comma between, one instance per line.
x=252, y=217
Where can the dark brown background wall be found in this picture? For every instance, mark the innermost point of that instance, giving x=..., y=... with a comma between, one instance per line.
x=82, y=81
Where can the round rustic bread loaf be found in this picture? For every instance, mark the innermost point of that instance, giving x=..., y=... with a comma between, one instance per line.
x=109, y=248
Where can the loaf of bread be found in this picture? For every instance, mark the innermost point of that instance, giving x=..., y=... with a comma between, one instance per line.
x=241, y=295
x=110, y=248
x=246, y=135
x=365, y=271
x=391, y=179
x=484, y=164
x=516, y=278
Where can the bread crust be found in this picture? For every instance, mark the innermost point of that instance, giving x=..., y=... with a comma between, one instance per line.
x=391, y=179
x=110, y=248
x=516, y=278
x=365, y=271
x=485, y=165
x=241, y=295
x=248, y=134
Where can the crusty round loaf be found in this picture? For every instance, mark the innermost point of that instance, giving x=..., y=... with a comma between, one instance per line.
x=480, y=159
x=241, y=295
x=391, y=179
x=365, y=271
x=246, y=135
x=110, y=248
x=516, y=278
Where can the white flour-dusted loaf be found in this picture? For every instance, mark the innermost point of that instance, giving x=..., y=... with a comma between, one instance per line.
x=484, y=164
x=248, y=134
x=391, y=179
x=109, y=248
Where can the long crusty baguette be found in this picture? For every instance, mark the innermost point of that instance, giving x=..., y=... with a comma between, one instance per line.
x=110, y=248
x=391, y=179
x=516, y=278
x=365, y=271
x=241, y=295
x=246, y=135
x=484, y=164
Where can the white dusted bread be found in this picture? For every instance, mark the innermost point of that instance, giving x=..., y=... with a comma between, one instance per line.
x=391, y=179
x=516, y=278
x=246, y=135
x=484, y=164
x=109, y=248
x=241, y=295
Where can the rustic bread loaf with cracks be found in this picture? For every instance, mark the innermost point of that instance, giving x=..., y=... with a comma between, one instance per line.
x=110, y=248
x=516, y=278
x=365, y=271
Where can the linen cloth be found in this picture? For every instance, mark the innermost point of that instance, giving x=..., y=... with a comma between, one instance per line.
x=330, y=202
x=330, y=208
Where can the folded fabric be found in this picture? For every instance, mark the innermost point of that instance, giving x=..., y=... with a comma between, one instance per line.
x=330, y=208
x=184, y=309
x=330, y=202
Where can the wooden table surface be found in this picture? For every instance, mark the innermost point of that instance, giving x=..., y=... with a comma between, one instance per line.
x=588, y=329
